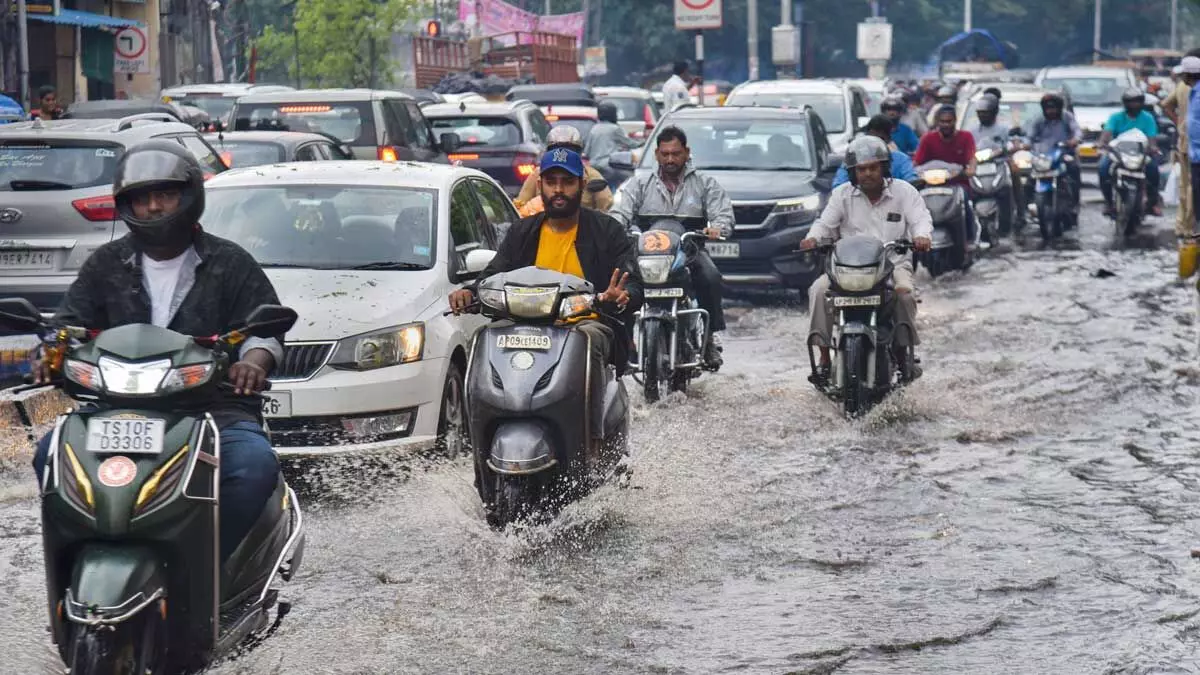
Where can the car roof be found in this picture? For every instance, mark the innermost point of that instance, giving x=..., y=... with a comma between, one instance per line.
x=634, y=92
x=1023, y=94
x=768, y=112
x=366, y=173
x=323, y=96
x=791, y=86
x=224, y=89
x=1086, y=71
x=91, y=128
x=283, y=137
x=571, y=111
x=466, y=108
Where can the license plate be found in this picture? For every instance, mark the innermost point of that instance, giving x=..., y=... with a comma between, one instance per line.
x=541, y=342
x=276, y=404
x=938, y=191
x=662, y=293
x=724, y=249
x=1131, y=174
x=856, y=300
x=985, y=170
x=1088, y=151
x=126, y=436
x=27, y=260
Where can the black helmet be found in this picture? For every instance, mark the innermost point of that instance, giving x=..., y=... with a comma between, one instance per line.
x=1052, y=98
x=607, y=111
x=160, y=165
x=892, y=102
x=987, y=104
x=1132, y=94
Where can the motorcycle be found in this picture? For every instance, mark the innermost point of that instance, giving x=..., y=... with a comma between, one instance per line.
x=534, y=400
x=129, y=501
x=671, y=330
x=991, y=187
x=1055, y=193
x=951, y=232
x=863, y=368
x=1128, y=156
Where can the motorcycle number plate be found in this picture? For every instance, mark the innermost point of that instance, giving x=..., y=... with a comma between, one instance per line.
x=510, y=341
x=126, y=436
x=662, y=293
x=1126, y=173
x=724, y=249
x=856, y=300
x=938, y=191
x=985, y=170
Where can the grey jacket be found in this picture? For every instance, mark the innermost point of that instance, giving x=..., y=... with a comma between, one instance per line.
x=603, y=140
x=698, y=196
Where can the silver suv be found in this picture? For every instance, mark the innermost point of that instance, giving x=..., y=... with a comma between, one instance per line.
x=56, y=202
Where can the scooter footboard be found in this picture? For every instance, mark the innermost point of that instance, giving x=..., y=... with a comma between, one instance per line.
x=522, y=447
x=112, y=584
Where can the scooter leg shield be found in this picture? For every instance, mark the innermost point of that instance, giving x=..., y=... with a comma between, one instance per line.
x=113, y=583
x=521, y=447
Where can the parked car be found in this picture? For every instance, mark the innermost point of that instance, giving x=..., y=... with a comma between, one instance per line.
x=1096, y=94
x=241, y=149
x=637, y=112
x=217, y=99
x=56, y=203
x=841, y=106
x=385, y=125
x=554, y=94
x=503, y=140
x=777, y=166
x=366, y=252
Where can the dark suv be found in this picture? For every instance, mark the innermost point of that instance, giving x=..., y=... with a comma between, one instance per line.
x=386, y=125
x=776, y=165
x=56, y=203
x=503, y=140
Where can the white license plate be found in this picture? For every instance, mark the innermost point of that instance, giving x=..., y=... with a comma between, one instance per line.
x=27, y=260
x=1131, y=174
x=662, y=293
x=724, y=249
x=938, y=191
x=125, y=436
x=276, y=404
x=541, y=342
x=985, y=170
x=856, y=300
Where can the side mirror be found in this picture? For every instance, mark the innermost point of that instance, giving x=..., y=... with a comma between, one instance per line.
x=831, y=164
x=347, y=153
x=621, y=160
x=1016, y=131
x=450, y=142
x=478, y=260
x=823, y=183
x=268, y=321
x=19, y=314
x=597, y=185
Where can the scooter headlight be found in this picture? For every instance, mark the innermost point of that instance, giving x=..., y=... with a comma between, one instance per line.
x=1023, y=159
x=1132, y=162
x=655, y=268
x=935, y=176
x=531, y=302
x=985, y=155
x=1042, y=163
x=133, y=379
x=855, y=279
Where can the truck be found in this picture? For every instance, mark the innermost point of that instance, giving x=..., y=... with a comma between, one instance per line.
x=548, y=58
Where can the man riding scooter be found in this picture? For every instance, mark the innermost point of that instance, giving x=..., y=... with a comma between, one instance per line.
x=990, y=134
x=901, y=167
x=1135, y=116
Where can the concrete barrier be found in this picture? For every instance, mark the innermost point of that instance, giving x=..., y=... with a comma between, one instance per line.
x=38, y=407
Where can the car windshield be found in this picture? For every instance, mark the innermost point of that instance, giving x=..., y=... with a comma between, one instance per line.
x=493, y=131
x=628, y=108
x=584, y=125
x=831, y=107
x=327, y=226
x=1012, y=113
x=242, y=154
x=742, y=144
x=217, y=107
x=348, y=122
x=44, y=166
x=1088, y=90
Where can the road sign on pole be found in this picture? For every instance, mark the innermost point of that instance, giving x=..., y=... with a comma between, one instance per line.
x=130, y=52
x=697, y=14
x=874, y=41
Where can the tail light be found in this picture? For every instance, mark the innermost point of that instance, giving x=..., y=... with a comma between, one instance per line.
x=227, y=159
x=462, y=157
x=647, y=117
x=524, y=165
x=96, y=209
x=388, y=154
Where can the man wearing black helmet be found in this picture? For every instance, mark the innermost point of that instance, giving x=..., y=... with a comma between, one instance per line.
x=1134, y=116
x=902, y=135
x=168, y=272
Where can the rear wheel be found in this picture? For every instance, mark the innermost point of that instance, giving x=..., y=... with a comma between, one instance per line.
x=855, y=388
x=656, y=359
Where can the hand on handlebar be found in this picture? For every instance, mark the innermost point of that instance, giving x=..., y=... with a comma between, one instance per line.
x=922, y=244
x=461, y=300
x=713, y=233
x=808, y=244
x=247, y=378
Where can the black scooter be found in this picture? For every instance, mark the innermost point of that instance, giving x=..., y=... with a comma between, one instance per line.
x=954, y=239
x=533, y=398
x=992, y=192
x=129, y=502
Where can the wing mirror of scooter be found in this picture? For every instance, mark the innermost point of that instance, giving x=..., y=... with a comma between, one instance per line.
x=1016, y=131
x=477, y=261
x=622, y=160
x=268, y=321
x=598, y=185
x=19, y=314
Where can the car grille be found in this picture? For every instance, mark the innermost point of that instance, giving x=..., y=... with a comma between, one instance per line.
x=302, y=360
x=752, y=214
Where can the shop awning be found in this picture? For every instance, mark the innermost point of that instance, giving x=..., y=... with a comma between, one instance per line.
x=74, y=17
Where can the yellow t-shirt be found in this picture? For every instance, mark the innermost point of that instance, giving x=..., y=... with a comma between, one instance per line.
x=556, y=251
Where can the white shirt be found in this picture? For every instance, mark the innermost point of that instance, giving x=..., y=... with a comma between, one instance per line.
x=675, y=93
x=899, y=214
x=161, y=278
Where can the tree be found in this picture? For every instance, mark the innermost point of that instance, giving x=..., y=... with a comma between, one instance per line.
x=342, y=43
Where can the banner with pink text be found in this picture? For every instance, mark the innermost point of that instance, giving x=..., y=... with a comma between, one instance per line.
x=497, y=16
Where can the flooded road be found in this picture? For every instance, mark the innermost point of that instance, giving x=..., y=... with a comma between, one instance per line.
x=1027, y=506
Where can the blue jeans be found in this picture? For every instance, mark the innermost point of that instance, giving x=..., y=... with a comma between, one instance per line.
x=249, y=473
x=1152, y=179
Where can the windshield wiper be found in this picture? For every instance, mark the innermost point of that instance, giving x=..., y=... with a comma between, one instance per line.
x=390, y=266
x=38, y=185
x=296, y=266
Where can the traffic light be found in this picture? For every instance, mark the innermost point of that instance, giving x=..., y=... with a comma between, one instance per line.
x=433, y=28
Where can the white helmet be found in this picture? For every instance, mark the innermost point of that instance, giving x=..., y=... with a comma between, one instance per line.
x=866, y=150
x=564, y=134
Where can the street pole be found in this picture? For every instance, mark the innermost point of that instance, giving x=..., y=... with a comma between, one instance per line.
x=1174, y=24
x=966, y=16
x=700, y=65
x=547, y=11
x=23, y=53
x=751, y=36
x=1096, y=33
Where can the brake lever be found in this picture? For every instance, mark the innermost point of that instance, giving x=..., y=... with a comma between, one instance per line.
x=465, y=310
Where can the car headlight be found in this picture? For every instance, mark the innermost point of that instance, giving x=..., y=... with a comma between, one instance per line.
x=985, y=155
x=855, y=279
x=574, y=306
x=655, y=268
x=380, y=349
x=1023, y=159
x=132, y=379
x=531, y=302
x=1132, y=162
x=1042, y=163
x=798, y=204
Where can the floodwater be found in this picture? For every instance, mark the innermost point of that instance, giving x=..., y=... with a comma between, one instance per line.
x=1029, y=506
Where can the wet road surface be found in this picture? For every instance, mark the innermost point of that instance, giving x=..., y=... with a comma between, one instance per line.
x=1027, y=506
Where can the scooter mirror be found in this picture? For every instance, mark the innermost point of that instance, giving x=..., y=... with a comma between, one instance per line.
x=597, y=185
x=19, y=314
x=268, y=321
x=1016, y=131
x=622, y=160
x=478, y=259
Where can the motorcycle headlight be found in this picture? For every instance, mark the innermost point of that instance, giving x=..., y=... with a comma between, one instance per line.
x=985, y=155
x=379, y=349
x=655, y=268
x=132, y=379
x=574, y=306
x=1132, y=162
x=798, y=204
x=1023, y=159
x=935, y=176
x=1042, y=163
x=531, y=302
x=186, y=377
x=83, y=374
x=855, y=279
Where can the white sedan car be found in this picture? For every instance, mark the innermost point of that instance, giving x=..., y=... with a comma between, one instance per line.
x=367, y=253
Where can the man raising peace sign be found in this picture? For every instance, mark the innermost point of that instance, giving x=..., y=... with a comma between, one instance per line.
x=578, y=241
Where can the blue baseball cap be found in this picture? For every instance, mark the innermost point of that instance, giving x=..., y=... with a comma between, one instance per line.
x=563, y=158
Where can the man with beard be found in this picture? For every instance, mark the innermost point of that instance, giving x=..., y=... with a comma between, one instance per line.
x=574, y=240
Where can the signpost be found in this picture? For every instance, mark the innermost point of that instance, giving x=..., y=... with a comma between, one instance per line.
x=130, y=53
x=875, y=45
x=698, y=15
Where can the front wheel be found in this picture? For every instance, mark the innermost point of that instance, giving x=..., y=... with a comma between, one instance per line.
x=1047, y=218
x=452, y=438
x=513, y=501
x=1130, y=217
x=656, y=359
x=855, y=387
x=133, y=648
x=1004, y=217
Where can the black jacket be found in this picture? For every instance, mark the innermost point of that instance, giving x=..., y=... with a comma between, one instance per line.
x=602, y=245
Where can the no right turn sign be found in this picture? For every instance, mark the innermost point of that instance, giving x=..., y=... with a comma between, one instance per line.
x=697, y=14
